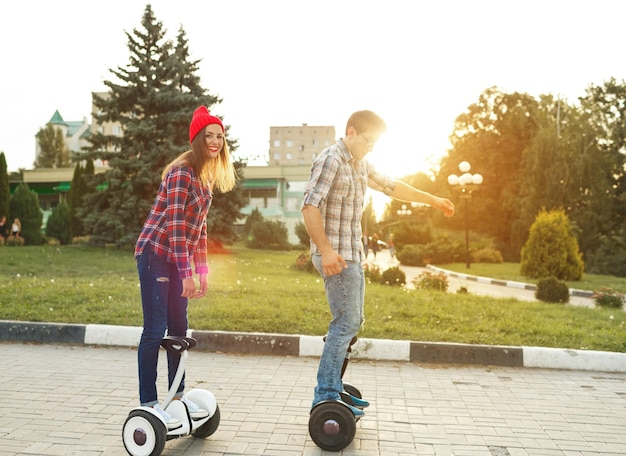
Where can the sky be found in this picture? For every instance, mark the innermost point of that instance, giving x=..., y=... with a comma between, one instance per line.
x=287, y=62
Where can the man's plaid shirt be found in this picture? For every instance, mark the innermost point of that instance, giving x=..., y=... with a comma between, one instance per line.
x=337, y=187
x=176, y=225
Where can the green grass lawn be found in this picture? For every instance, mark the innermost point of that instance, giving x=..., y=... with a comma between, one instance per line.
x=261, y=291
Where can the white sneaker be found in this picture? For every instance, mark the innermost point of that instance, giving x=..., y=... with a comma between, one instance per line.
x=195, y=411
x=171, y=422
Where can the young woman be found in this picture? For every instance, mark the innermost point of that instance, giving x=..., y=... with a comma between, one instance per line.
x=16, y=228
x=173, y=235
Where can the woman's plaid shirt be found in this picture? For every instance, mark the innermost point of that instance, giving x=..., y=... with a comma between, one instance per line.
x=337, y=187
x=176, y=225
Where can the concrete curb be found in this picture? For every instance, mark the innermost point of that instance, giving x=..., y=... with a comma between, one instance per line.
x=300, y=345
x=505, y=283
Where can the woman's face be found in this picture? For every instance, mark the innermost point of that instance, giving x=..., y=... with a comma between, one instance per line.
x=214, y=139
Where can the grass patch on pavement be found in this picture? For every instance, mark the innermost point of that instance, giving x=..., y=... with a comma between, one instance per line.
x=261, y=291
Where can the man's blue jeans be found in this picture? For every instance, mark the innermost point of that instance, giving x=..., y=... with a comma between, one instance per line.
x=163, y=309
x=345, y=294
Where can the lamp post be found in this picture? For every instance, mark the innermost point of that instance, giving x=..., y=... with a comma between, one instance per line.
x=404, y=211
x=467, y=183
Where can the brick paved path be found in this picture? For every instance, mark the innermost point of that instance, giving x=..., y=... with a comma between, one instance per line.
x=72, y=400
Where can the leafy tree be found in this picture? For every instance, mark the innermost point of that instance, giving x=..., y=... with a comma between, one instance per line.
x=600, y=210
x=54, y=152
x=269, y=234
x=552, y=249
x=5, y=190
x=58, y=225
x=158, y=91
x=24, y=204
x=492, y=136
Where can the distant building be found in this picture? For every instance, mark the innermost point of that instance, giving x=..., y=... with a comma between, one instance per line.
x=276, y=191
x=298, y=146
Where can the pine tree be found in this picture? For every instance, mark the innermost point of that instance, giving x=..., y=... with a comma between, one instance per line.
x=5, y=190
x=58, y=225
x=159, y=91
x=78, y=189
x=24, y=205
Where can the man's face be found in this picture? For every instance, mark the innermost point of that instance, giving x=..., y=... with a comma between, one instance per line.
x=363, y=144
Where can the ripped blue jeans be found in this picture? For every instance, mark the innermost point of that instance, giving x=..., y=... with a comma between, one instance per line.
x=345, y=293
x=164, y=309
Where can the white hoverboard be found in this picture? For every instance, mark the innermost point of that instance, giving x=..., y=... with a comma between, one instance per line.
x=145, y=432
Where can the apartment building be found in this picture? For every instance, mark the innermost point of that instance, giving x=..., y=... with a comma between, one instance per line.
x=298, y=145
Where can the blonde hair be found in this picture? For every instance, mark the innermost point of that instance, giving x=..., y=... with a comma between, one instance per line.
x=217, y=173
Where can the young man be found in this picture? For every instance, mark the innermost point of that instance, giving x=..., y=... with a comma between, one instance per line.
x=332, y=208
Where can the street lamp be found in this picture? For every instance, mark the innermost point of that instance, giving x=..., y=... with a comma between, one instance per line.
x=404, y=211
x=467, y=183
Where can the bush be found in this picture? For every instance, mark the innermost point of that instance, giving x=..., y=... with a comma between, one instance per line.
x=14, y=240
x=487, y=255
x=304, y=263
x=269, y=235
x=372, y=273
x=81, y=240
x=552, y=249
x=552, y=290
x=607, y=297
x=411, y=255
x=393, y=276
x=407, y=233
x=431, y=281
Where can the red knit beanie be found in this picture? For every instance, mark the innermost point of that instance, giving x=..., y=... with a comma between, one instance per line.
x=201, y=118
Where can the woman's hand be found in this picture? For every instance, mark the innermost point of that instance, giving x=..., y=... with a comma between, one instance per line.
x=189, y=288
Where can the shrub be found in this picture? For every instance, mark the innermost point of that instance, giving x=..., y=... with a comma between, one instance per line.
x=15, y=240
x=304, y=263
x=411, y=255
x=552, y=249
x=269, y=235
x=372, y=273
x=393, y=276
x=552, y=290
x=81, y=240
x=607, y=297
x=487, y=255
x=51, y=241
x=431, y=281
x=407, y=233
